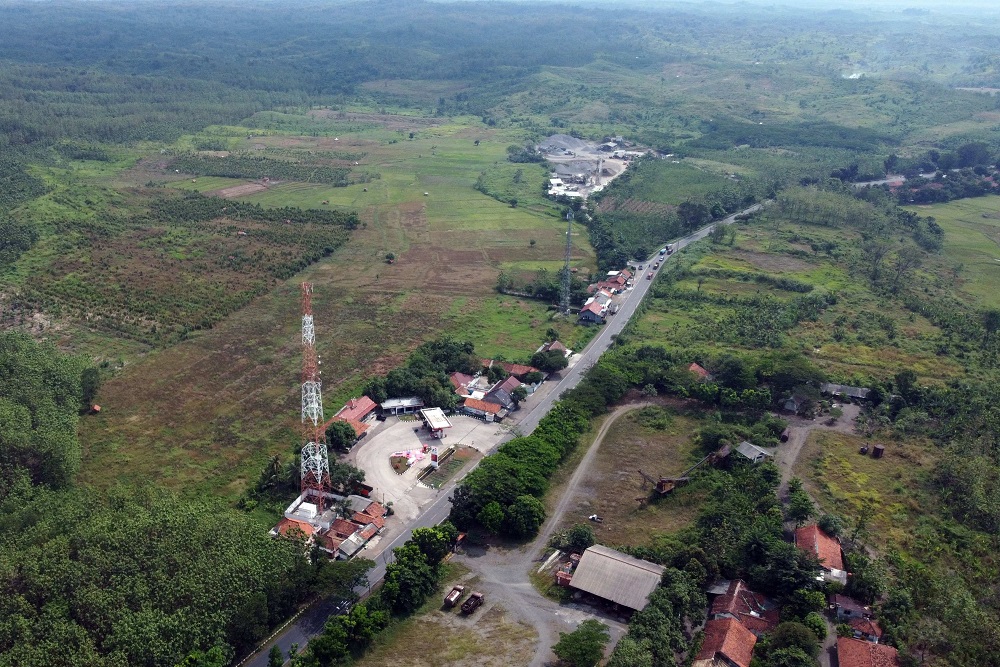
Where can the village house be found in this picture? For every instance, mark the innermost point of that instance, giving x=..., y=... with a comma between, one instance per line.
x=461, y=382
x=402, y=406
x=844, y=391
x=755, y=612
x=592, y=313
x=826, y=549
x=357, y=412
x=727, y=644
x=517, y=370
x=857, y=653
x=556, y=346
x=616, y=577
x=703, y=375
x=483, y=409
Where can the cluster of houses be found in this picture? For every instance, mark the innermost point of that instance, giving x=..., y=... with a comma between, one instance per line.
x=341, y=530
x=600, y=304
x=739, y=616
x=493, y=401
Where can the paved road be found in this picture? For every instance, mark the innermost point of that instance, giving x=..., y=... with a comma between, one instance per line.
x=312, y=620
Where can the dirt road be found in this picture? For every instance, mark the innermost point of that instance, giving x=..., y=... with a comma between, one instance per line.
x=503, y=573
x=799, y=429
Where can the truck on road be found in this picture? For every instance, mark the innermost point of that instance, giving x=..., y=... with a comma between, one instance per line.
x=454, y=596
x=473, y=603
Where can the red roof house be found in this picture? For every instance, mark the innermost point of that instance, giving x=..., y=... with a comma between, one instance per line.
x=825, y=548
x=592, y=312
x=477, y=406
x=509, y=385
x=366, y=520
x=375, y=509
x=866, y=628
x=286, y=526
x=343, y=528
x=700, y=372
x=756, y=612
x=726, y=639
x=360, y=428
x=357, y=409
x=460, y=381
x=856, y=653
x=517, y=370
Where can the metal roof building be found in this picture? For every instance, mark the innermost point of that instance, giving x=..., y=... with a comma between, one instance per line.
x=753, y=452
x=612, y=575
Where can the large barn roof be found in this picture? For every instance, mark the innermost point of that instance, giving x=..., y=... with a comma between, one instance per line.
x=612, y=575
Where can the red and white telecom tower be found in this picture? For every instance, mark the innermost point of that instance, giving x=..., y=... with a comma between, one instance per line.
x=315, y=467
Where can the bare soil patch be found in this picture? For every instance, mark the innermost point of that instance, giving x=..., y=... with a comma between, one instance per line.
x=237, y=191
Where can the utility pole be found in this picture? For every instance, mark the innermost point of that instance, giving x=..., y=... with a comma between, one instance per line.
x=566, y=282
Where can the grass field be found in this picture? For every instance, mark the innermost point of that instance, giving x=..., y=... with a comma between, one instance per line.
x=971, y=244
x=656, y=441
x=206, y=414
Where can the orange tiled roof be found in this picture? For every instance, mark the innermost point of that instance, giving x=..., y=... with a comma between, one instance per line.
x=730, y=639
x=867, y=626
x=357, y=409
x=483, y=406
x=287, y=525
x=375, y=509
x=826, y=548
x=753, y=610
x=369, y=531
x=365, y=519
x=343, y=528
x=512, y=369
x=698, y=370
x=359, y=427
x=857, y=653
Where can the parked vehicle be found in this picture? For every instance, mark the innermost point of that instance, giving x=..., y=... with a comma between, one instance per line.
x=454, y=596
x=473, y=603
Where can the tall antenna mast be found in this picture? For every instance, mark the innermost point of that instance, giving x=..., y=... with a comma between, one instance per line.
x=566, y=282
x=315, y=466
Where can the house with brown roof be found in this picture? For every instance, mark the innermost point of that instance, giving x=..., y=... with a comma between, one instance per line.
x=857, y=653
x=482, y=409
x=293, y=529
x=703, y=375
x=357, y=409
x=827, y=550
x=867, y=629
x=517, y=370
x=592, y=313
x=461, y=382
x=727, y=644
x=554, y=345
x=848, y=608
x=754, y=611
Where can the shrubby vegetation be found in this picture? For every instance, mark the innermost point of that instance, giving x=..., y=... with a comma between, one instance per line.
x=246, y=165
x=412, y=577
x=425, y=374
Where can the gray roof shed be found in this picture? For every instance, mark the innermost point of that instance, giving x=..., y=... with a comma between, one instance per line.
x=753, y=452
x=844, y=390
x=614, y=576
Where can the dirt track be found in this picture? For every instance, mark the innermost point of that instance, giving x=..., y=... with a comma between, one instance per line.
x=504, y=572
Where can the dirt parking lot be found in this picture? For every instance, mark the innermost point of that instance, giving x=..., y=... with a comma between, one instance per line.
x=407, y=494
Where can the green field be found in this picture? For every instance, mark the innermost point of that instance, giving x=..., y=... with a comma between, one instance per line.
x=971, y=245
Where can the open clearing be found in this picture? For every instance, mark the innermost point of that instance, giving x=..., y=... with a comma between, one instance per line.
x=440, y=637
x=656, y=441
x=971, y=242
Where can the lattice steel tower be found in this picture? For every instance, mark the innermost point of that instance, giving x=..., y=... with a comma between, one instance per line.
x=315, y=467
